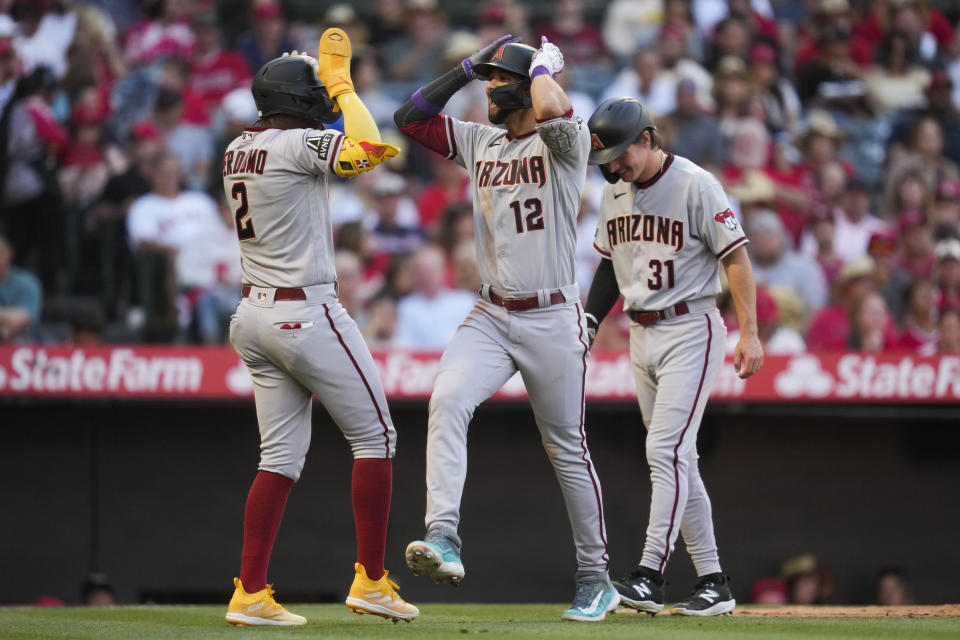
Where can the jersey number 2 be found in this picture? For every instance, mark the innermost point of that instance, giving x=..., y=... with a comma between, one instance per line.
x=656, y=280
x=534, y=217
x=244, y=221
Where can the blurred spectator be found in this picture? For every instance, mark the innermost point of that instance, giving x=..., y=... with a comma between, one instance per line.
x=806, y=582
x=208, y=274
x=31, y=212
x=452, y=187
x=948, y=274
x=86, y=324
x=107, y=219
x=776, y=340
x=823, y=237
x=731, y=39
x=20, y=298
x=237, y=110
x=769, y=591
x=780, y=99
x=160, y=225
x=191, y=144
x=584, y=50
x=268, y=38
x=46, y=31
x=466, y=273
x=678, y=65
x=694, y=134
x=428, y=317
x=214, y=71
x=629, y=25
x=916, y=244
x=366, y=79
x=775, y=264
x=890, y=588
x=907, y=192
x=831, y=14
x=833, y=78
x=381, y=324
x=946, y=205
x=413, y=58
x=853, y=224
x=730, y=91
x=349, y=279
x=941, y=107
x=949, y=332
x=830, y=326
x=94, y=58
x=88, y=163
x=871, y=326
x=890, y=279
x=97, y=591
x=358, y=240
x=164, y=33
x=923, y=156
x=896, y=81
x=390, y=234
x=387, y=21
x=646, y=82
x=919, y=327
x=454, y=228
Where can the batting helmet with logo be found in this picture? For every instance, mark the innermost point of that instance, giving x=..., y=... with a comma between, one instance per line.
x=515, y=58
x=289, y=85
x=615, y=125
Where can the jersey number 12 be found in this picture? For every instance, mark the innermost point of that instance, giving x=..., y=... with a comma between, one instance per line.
x=534, y=216
x=244, y=221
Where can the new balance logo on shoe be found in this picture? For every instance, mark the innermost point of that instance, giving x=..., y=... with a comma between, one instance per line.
x=710, y=595
x=642, y=589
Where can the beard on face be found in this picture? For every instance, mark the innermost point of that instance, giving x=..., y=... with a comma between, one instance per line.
x=497, y=115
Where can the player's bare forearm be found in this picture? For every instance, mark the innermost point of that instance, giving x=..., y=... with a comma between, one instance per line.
x=549, y=99
x=748, y=354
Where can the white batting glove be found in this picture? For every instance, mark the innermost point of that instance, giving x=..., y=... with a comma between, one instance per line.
x=547, y=59
x=309, y=59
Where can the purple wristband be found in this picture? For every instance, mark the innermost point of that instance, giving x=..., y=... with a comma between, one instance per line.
x=467, y=65
x=423, y=104
x=540, y=70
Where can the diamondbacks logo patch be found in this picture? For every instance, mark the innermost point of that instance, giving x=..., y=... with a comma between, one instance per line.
x=498, y=56
x=595, y=142
x=320, y=144
x=727, y=219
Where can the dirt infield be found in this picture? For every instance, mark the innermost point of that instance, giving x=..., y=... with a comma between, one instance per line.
x=912, y=611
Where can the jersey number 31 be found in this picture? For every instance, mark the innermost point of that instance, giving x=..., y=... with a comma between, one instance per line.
x=655, y=281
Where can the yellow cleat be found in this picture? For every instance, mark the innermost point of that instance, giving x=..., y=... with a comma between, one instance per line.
x=378, y=597
x=250, y=609
x=333, y=61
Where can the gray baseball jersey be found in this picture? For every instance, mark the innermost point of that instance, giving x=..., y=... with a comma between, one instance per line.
x=276, y=180
x=526, y=196
x=525, y=203
x=290, y=329
x=666, y=237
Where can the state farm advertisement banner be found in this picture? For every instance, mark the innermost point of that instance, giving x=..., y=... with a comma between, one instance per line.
x=217, y=373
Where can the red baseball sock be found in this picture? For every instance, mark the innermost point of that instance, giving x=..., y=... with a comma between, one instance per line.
x=261, y=520
x=372, y=486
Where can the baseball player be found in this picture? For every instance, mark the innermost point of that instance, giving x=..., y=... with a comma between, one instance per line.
x=291, y=331
x=526, y=182
x=665, y=227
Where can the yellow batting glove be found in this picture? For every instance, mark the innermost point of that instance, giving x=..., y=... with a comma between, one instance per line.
x=358, y=156
x=333, y=61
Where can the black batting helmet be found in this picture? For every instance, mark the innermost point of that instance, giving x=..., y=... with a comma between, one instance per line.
x=515, y=58
x=615, y=125
x=289, y=85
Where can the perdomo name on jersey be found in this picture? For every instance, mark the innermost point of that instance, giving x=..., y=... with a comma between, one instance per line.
x=518, y=171
x=252, y=161
x=645, y=227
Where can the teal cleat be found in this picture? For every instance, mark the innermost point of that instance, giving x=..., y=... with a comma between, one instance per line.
x=438, y=556
x=594, y=598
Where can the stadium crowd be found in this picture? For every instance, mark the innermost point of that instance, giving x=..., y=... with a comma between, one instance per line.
x=833, y=125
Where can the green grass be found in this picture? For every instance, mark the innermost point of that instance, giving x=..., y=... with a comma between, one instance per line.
x=446, y=621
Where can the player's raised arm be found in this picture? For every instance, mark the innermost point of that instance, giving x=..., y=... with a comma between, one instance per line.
x=552, y=110
x=361, y=149
x=419, y=117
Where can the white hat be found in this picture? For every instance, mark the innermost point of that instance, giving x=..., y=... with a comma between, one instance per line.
x=238, y=105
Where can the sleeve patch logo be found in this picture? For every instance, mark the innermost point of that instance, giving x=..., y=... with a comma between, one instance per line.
x=320, y=144
x=727, y=218
x=596, y=143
